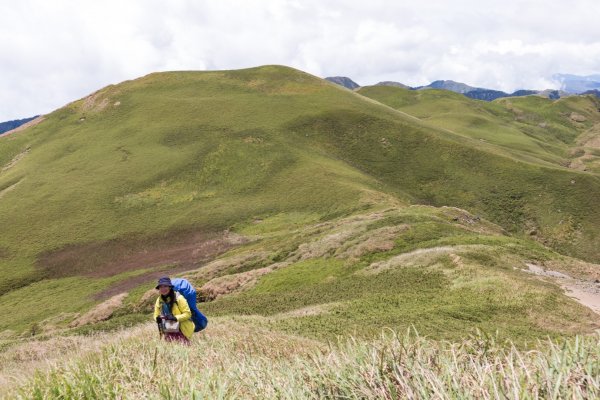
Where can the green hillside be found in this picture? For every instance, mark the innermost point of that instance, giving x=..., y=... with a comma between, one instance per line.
x=529, y=128
x=526, y=188
x=287, y=197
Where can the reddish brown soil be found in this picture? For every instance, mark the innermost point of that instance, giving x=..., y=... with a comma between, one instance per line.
x=172, y=252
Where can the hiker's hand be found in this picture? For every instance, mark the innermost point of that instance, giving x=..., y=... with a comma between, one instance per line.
x=171, y=318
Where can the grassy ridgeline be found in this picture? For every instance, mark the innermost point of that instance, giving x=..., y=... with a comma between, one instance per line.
x=530, y=128
x=238, y=359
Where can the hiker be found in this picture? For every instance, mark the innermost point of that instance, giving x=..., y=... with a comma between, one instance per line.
x=172, y=313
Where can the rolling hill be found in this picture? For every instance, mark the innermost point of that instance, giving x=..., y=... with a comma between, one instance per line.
x=318, y=210
x=531, y=128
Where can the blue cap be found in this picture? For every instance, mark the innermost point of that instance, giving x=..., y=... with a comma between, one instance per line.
x=164, y=281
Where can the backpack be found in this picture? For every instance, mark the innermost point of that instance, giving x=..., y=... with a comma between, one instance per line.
x=187, y=290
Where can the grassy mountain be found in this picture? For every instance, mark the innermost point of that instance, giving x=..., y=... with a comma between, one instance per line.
x=281, y=195
x=546, y=138
x=457, y=87
x=531, y=128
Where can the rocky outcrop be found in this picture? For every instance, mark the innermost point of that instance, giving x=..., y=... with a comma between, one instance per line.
x=343, y=81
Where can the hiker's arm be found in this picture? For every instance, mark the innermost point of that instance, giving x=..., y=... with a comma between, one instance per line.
x=184, y=308
x=156, y=309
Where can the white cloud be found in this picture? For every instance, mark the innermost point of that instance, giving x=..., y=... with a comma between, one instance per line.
x=55, y=52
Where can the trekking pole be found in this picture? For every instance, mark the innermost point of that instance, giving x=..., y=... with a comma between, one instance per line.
x=161, y=332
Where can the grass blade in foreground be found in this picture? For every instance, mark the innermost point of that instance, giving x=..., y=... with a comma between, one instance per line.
x=236, y=359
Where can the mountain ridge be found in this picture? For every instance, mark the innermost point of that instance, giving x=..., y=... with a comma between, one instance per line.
x=483, y=93
x=577, y=83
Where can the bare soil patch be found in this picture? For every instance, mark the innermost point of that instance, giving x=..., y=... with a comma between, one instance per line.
x=586, y=292
x=183, y=250
x=101, y=312
x=308, y=311
x=95, y=102
x=588, y=295
x=229, y=265
x=592, y=137
x=419, y=257
x=235, y=282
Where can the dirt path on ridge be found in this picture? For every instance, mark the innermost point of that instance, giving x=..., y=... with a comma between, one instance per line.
x=586, y=292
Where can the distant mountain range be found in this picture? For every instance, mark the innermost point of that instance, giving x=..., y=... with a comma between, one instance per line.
x=577, y=84
x=10, y=125
x=595, y=92
x=570, y=85
x=473, y=92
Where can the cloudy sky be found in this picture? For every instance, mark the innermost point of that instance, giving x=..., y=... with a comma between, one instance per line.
x=53, y=52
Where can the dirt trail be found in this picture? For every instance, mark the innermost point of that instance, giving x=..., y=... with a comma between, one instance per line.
x=16, y=159
x=585, y=292
x=10, y=188
x=584, y=296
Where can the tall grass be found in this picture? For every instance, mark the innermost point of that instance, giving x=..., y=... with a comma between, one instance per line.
x=240, y=360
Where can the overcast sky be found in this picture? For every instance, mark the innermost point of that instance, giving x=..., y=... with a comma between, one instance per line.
x=54, y=52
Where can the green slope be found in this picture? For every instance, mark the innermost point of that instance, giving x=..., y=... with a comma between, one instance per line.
x=181, y=150
x=525, y=189
x=169, y=171
x=529, y=128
